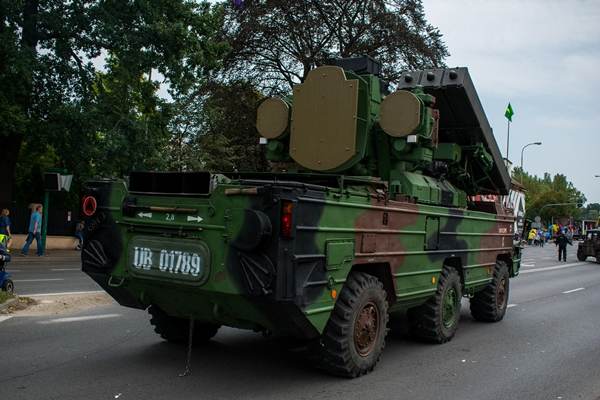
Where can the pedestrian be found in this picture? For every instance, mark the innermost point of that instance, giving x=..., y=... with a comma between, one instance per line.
x=79, y=233
x=562, y=241
x=5, y=226
x=35, y=227
x=531, y=236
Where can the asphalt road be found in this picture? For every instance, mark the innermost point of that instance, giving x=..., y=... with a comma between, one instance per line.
x=547, y=347
x=60, y=272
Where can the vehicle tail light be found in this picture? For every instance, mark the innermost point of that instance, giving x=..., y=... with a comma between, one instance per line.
x=89, y=205
x=287, y=207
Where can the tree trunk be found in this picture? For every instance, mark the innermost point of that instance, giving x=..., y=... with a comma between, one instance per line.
x=11, y=143
x=8, y=162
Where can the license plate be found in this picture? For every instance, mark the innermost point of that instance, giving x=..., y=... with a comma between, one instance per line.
x=177, y=259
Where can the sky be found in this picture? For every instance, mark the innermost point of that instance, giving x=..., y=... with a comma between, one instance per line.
x=544, y=57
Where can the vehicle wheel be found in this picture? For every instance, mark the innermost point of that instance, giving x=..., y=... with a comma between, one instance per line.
x=598, y=257
x=436, y=321
x=354, y=336
x=489, y=305
x=581, y=256
x=8, y=286
x=176, y=330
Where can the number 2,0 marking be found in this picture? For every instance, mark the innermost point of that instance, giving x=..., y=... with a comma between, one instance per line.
x=170, y=217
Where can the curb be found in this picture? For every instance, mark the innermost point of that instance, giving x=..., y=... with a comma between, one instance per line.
x=8, y=303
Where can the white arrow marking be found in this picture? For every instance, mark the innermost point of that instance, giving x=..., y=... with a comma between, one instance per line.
x=145, y=215
x=197, y=218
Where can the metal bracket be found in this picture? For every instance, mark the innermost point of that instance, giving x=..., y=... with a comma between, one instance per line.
x=114, y=284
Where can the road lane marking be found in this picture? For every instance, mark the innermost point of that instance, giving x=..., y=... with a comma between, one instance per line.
x=511, y=305
x=39, y=280
x=4, y=318
x=66, y=269
x=78, y=319
x=529, y=271
x=574, y=290
x=64, y=293
x=528, y=265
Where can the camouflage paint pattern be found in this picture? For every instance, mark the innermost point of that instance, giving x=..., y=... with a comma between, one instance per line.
x=287, y=284
x=225, y=248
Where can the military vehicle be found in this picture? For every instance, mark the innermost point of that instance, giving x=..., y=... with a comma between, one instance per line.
x=375, y=206
x=590, y=246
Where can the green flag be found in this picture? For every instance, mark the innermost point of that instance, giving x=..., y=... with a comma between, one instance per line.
x=509, y=112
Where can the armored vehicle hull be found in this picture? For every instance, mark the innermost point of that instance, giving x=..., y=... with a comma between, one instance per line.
x=374, y=207
x=276, y=255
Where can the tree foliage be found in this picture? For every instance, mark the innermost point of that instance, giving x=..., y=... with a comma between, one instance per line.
x=276, y=42
x=592, y=212
x=57, y=97
x=541, y=192
x=101, y=87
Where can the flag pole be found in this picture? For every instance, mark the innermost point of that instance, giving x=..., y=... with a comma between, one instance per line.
x=507, y=137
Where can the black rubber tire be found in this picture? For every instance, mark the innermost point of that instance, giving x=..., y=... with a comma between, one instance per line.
x=8, y=286
x=340, y=355
x=176, y=330
x=581, y=257
x=598, y=257
x=485, y=304
x=426, y=321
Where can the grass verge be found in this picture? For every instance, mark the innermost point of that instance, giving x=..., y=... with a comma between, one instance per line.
x=4, y=296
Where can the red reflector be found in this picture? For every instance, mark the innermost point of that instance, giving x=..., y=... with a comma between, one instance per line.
x=89, y=205
x=286, y=219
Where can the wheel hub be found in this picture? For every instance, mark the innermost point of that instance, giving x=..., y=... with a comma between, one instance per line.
x=449, y=308
x=501, y=294
x=366, y=329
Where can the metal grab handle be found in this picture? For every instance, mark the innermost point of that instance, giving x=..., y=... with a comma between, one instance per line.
x=113, y=284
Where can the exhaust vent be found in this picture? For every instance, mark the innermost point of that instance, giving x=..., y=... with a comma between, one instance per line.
x=172, y=183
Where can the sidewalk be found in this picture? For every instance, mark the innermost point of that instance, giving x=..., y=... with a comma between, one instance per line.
x=50, y=256
x=52, y=243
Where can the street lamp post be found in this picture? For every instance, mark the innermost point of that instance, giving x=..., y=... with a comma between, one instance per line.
x=578, y=204
x=522, y=150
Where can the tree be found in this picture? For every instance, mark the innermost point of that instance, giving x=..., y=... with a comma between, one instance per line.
x=592, y=212
x=230, y=115
x=49, y=56
x=276, y=42
x=541, y=192
x=214, y=129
